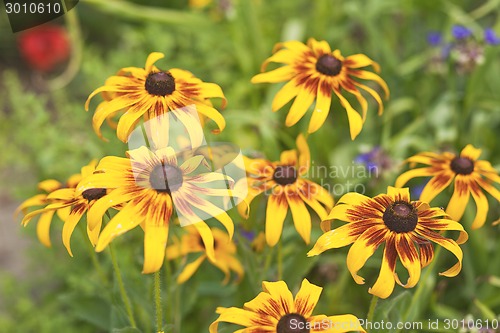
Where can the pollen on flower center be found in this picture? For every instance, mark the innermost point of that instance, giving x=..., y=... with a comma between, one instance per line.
x=285, y=174
x=94, y=193
x=400, y=217
x=160, y=83
x=328, y=65
x=462, y=165
x=292, y=323
x=166, y=178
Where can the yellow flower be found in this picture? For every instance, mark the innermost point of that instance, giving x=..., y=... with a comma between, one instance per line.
x=275, y=310
x=313, y=71
x=468, y=174
x=70, y=206
x=192, y=242
x=151, y=92
x=287, y=189
x=404, y=226
x=149, y=185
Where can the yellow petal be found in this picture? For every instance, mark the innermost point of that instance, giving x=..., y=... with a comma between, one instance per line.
x=481, y=210
x=410, y=174
x=338, y=324
x=436, y=185
x=155, y=243
x=43, y=228
x=281, y=294
x=285, y=95
x=281, y=74
x=190, y=269
x=49, y=185
x=69, y=226
x=459, y=199
x=374, y=77
x=301, y=217
x=212, y=114
x=321, y=110
x=304, y=154
x=207, y=237
x=299, y=107
x=399, y=194
x=360, y=60
x=276, y=210
x=451, y=246
x=409, y=258
x=384, y=285
x=355, y=120
x=152, y=58
x=334, y=239
x=470, y=152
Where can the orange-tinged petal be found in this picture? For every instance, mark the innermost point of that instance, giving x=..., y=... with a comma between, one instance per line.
x=399, y=194
x=319, y=47
x=307, y=298
x=459, y=199
x=385, y=283
x=299, y=107
x=279, y=291
x=363, y=248
x=234, y=316
x=276, y=210
x=451, y=246
x=436, y=185
x=409, y=258
x=282, y=56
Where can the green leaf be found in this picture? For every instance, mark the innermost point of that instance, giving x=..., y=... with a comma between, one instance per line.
x=126, y=330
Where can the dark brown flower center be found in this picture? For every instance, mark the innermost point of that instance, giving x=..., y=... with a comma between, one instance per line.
x=285, y=174
x=166, y=178
x=400, y=217
x=462, y=165
x=292, y=323
x=94, y=193
x=160, y=83
x=328, y=65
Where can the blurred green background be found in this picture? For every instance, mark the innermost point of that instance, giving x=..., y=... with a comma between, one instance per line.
x=46, y=133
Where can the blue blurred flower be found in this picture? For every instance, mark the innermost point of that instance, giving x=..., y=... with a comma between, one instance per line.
x=460, y=32
x=434, y=38
x=490, y=37
x=375, y=160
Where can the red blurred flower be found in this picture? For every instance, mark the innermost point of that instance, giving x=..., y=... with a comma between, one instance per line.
x=44, y=46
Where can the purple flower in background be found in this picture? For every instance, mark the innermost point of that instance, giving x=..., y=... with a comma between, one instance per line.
x=434, y=38
x=376, y=160
x=460, y=32
x=490, y=37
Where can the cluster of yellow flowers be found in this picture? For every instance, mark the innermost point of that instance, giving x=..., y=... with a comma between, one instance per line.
x=144, y=188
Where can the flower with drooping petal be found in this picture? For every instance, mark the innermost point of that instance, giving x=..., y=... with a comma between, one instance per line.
x=149, y=185
x=407, y=228
x=313, y=72
x=150, y=92
x=287, y=190
x=70, y=206
x=192, y=243
x=275, y=310
x=469, y=175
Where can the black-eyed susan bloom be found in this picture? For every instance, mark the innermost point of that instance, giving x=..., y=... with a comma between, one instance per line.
x=287, y=190
x=469, y=175
x=314, y=72
x=70, y=206
x=148, y=185
x=275, y=310
x=150, y=92
x=224, y=256
x=406, y=227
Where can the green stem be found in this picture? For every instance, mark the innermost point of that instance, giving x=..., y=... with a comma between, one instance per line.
x=178, y=316
x=169, y=282
x=159, y=311
x=280, y=260
x=371, y=309
x=93, y=258
x=121, y=286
